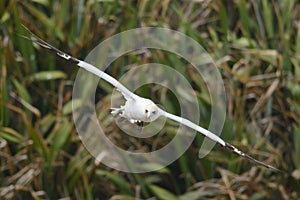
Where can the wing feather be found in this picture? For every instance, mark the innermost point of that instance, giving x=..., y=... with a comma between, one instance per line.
x=197, y=128
x=88, y=67
x=215, y=138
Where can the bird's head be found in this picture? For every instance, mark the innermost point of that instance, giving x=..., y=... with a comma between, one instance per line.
x=151, y=112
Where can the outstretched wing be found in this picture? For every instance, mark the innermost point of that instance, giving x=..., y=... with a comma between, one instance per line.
x=215, y=138
x=94, y=70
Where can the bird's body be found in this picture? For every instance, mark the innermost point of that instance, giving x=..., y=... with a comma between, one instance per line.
x=138, y=109
x=140, y=113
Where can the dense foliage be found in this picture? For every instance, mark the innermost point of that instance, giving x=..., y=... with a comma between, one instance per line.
x=256, y=45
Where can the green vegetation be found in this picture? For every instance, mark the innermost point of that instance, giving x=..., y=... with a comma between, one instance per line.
x=256, y=45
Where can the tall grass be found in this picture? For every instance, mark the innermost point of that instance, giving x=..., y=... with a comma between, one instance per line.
x=256, y=45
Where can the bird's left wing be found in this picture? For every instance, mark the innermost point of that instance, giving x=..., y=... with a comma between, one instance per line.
x=215, y=138
x=88, y=67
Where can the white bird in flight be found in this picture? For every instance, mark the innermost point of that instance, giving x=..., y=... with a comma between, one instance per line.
x=138, y=109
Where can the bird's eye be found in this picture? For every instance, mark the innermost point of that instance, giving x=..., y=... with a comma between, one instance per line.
x=146, y=111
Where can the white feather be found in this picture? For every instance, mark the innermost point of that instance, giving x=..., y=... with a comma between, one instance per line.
x=199, y=129
x=126, y=93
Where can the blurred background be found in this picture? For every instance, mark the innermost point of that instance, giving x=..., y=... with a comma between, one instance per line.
x=256, y=46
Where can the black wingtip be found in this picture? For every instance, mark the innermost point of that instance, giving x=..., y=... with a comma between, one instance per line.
x=37, y=40
x=253, y=160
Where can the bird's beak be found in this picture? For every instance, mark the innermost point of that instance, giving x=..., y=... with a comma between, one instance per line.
x=148, y=115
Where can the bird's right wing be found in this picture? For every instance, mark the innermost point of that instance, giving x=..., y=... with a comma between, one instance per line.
x=125, y=92
x=215, y=138
x=88, y=67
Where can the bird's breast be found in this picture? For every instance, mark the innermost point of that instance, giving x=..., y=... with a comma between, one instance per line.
x=135, y=110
